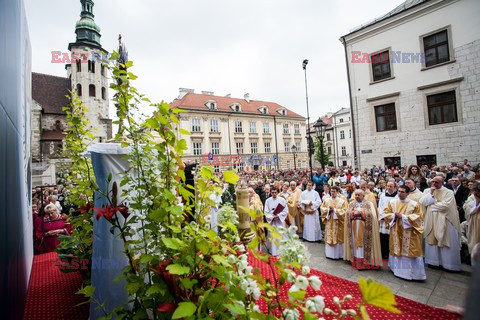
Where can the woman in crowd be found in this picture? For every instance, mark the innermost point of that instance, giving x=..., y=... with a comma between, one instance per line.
x=414, y=173
x=48, y=229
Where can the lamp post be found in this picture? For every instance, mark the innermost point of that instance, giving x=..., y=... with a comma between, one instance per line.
x=319, y=127
x=294, y=151
x=305, y=62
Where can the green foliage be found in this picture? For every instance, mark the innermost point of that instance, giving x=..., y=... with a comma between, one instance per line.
x=80, y=184
x=318, y=153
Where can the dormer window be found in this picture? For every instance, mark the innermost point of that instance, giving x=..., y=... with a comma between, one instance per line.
x=236, y=107
x=210, y=104
x=263, y=109
x=282, y=112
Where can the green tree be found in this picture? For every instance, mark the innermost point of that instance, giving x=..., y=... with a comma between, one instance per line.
x=318, y=153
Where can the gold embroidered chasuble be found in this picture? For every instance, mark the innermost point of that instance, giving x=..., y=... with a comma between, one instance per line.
x=473, y=220
x=334, y=229
x=370, y=196
x=437, y=214
x=293, y=215
x=405, y=242
x=367, y=236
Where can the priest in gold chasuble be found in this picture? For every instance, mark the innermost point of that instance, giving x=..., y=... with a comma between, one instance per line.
x=362, y=238
x=333, y=216
x=403, y=217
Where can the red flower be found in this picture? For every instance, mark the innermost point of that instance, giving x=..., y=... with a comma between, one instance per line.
x=108, y=212
x=167, y=307
x=85, y=208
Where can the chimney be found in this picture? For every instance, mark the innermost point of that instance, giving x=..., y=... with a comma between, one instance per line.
x=184, y=91
x=246, y=96
x=208, y=93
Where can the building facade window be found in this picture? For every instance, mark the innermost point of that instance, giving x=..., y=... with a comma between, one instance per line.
x=344, y=151
x=298, y=146
x=238, y=126
x=342, y=134
x=79, y=89
x=216, y=168
x=436, y=48
x=104, y=93
x=254, y=147
x=239, y=146
x=296, y=128
x=79, y=65
x=266, y=127
x=392, y=162
x=428, y=160
x=215, y=148
x=287, y=146
x=267, y=147
x=213, y=125
x=299, y=164
x=285, y=128
x=211, y=105
x=381, y=66
x=341, y=120
x=350, y=133
x=241, y=166
x=91, y=90
x=91, y=66
x=385, y=117
x=197, y=148
x=328, y=136
x=442, y=108
x=288, y=164
x=329, y=150
x=196, y=125
x=253, y=127
x=268, y=164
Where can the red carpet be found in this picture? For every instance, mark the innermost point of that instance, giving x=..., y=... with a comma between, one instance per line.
x=51, y=293
x=333, y=286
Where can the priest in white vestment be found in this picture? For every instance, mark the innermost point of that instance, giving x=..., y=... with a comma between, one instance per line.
x=389, y=194
x=442, y=226
x=404, y=219
x=309, y=203
x=276, y=212
x=333, y=217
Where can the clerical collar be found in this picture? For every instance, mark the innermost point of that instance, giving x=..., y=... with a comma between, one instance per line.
x=405, y=200
x=391, y=194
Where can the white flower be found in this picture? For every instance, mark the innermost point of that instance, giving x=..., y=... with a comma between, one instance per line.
x=292, y=229
x=348, y=297
x=310, y=305
x=352, y=312
x=315, y=282
x=256, y=293
x=293, y=288
x=336, y=300
x=224, y=250
x=241, y=248
x=291, y=314
x=302, y=283
x=305, y=270
x=291, y=276
x=256, y=309
x=231, y=259
x=248, y=270
x=319, y=303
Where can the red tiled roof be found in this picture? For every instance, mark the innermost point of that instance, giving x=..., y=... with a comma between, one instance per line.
x=52, y=135
x=197, y=101
x=50, y=91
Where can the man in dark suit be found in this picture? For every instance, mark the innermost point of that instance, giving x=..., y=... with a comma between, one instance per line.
x=461, y=195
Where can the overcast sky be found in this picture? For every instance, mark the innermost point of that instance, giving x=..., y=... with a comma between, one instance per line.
x=225, y=46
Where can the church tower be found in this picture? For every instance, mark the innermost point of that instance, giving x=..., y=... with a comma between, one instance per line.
x=87, y=75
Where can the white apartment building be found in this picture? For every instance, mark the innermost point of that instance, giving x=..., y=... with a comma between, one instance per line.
x=342, y=138
x=229, y=132
x=414, y=84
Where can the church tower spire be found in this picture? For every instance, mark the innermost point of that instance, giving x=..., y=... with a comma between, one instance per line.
x=87, y=31
x=88, y=75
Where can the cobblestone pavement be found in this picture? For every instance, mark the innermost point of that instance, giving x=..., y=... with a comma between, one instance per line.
x=440, y=288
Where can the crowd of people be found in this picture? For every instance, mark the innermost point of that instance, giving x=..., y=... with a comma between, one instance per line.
x=49, y=216
x=398, y=218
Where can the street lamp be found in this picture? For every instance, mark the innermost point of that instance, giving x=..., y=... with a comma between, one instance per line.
x=319, y=127
x=294, y=151
x=305, y=62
